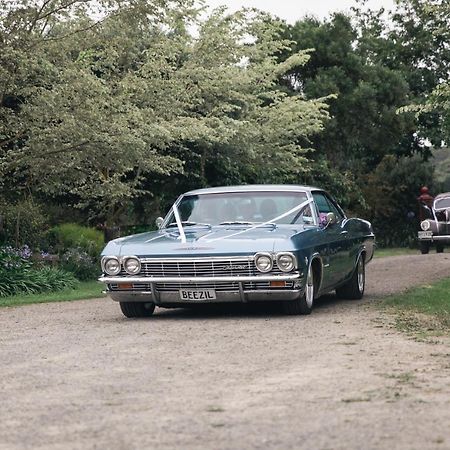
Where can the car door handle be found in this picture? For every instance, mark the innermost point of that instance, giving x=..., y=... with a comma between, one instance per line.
x=344, y=232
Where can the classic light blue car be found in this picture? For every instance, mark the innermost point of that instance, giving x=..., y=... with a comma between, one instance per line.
x=282, y=243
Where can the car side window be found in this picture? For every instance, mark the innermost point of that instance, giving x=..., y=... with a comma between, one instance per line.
x=325, y=205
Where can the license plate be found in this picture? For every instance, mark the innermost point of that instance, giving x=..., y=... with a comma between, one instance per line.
x=198, y=294
x=425, y=234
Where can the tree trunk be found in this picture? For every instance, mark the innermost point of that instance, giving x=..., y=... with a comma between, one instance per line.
x=111, y=229
x=202, y=166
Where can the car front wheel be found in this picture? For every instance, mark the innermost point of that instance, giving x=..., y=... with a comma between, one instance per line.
x=354, y=288
x=424, y=248
x=439, y=248
x=137, y=309
x=304, y=304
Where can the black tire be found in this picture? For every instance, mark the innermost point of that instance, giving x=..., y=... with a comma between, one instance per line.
x=439, y=248
x=304, y=304
x=354, y=288
x=137, y=309
x=424, y=248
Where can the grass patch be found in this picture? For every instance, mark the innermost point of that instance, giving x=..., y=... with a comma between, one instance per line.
x=85, y=290
x=425, y=309
x=398, y=251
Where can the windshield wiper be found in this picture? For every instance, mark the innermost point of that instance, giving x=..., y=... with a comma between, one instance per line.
x=237, y=222
x=187, y=223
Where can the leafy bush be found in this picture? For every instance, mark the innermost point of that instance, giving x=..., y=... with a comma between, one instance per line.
x=34, y=281
x=22, y=222
x=18, y=276
x=391, y=190
x=70, y=235
x=80, y=263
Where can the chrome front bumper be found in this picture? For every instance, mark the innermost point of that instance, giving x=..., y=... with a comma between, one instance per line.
x=435, y=238
x=173, y=297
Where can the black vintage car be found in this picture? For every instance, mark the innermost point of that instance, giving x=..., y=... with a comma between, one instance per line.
x=435, y=229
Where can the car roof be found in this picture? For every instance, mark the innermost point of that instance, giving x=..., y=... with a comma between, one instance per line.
x=253, y=188
x=438, y=198
x=443, y=195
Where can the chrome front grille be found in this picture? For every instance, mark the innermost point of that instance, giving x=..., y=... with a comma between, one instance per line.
x=201, y=267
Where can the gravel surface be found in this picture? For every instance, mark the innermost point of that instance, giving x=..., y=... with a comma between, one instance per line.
x=80, y=376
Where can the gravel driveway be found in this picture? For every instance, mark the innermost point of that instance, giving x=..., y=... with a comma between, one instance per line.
x=80, y=376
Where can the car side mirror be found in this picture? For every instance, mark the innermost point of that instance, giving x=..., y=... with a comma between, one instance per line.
x=331, y=219
x=159, y=221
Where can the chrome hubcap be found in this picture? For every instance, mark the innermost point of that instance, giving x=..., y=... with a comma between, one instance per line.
x=309, y=292
x=360, y=274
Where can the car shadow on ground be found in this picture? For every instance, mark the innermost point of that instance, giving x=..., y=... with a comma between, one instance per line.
x=264, y=310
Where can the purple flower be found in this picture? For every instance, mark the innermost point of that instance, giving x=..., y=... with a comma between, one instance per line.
x=25, y=252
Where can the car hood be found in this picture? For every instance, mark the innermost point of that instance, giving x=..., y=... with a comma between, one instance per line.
x=212, y=241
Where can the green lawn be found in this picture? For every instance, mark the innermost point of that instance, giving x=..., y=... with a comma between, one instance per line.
x=85, y=290
x=384, y=252
x=423, y=309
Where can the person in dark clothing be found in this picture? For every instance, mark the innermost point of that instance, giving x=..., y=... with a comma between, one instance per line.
x=425, y=200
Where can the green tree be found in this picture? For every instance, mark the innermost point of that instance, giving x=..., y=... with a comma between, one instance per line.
x=429, y=31
x=391, y=192
x=412, y=39
x=95, y=111
x=364, y=125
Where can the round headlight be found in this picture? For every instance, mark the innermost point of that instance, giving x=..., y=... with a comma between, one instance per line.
x=111, y=265
x=132, y=265
x=425, y=225
x=286, y=262
x=264, y=262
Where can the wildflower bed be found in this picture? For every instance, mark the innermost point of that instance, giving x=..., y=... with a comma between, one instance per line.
x=20, y=275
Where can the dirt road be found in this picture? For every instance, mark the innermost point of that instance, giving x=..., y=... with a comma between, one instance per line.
x=80, y=376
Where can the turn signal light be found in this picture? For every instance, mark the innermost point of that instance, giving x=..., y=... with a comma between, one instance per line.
x=278, y=284
x=125, y=286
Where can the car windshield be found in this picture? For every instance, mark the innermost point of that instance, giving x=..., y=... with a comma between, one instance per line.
x=242, y=208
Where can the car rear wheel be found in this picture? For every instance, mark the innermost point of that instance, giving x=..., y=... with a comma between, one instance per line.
x=439, y=248
x=354, y=288
x=424, y=248
x=304, y=304
x=137, y=309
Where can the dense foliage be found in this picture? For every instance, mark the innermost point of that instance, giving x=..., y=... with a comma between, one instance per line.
x=71, y=235
x=81, y=264
x=18, y=275
x=109, y=109
x=103, y=113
